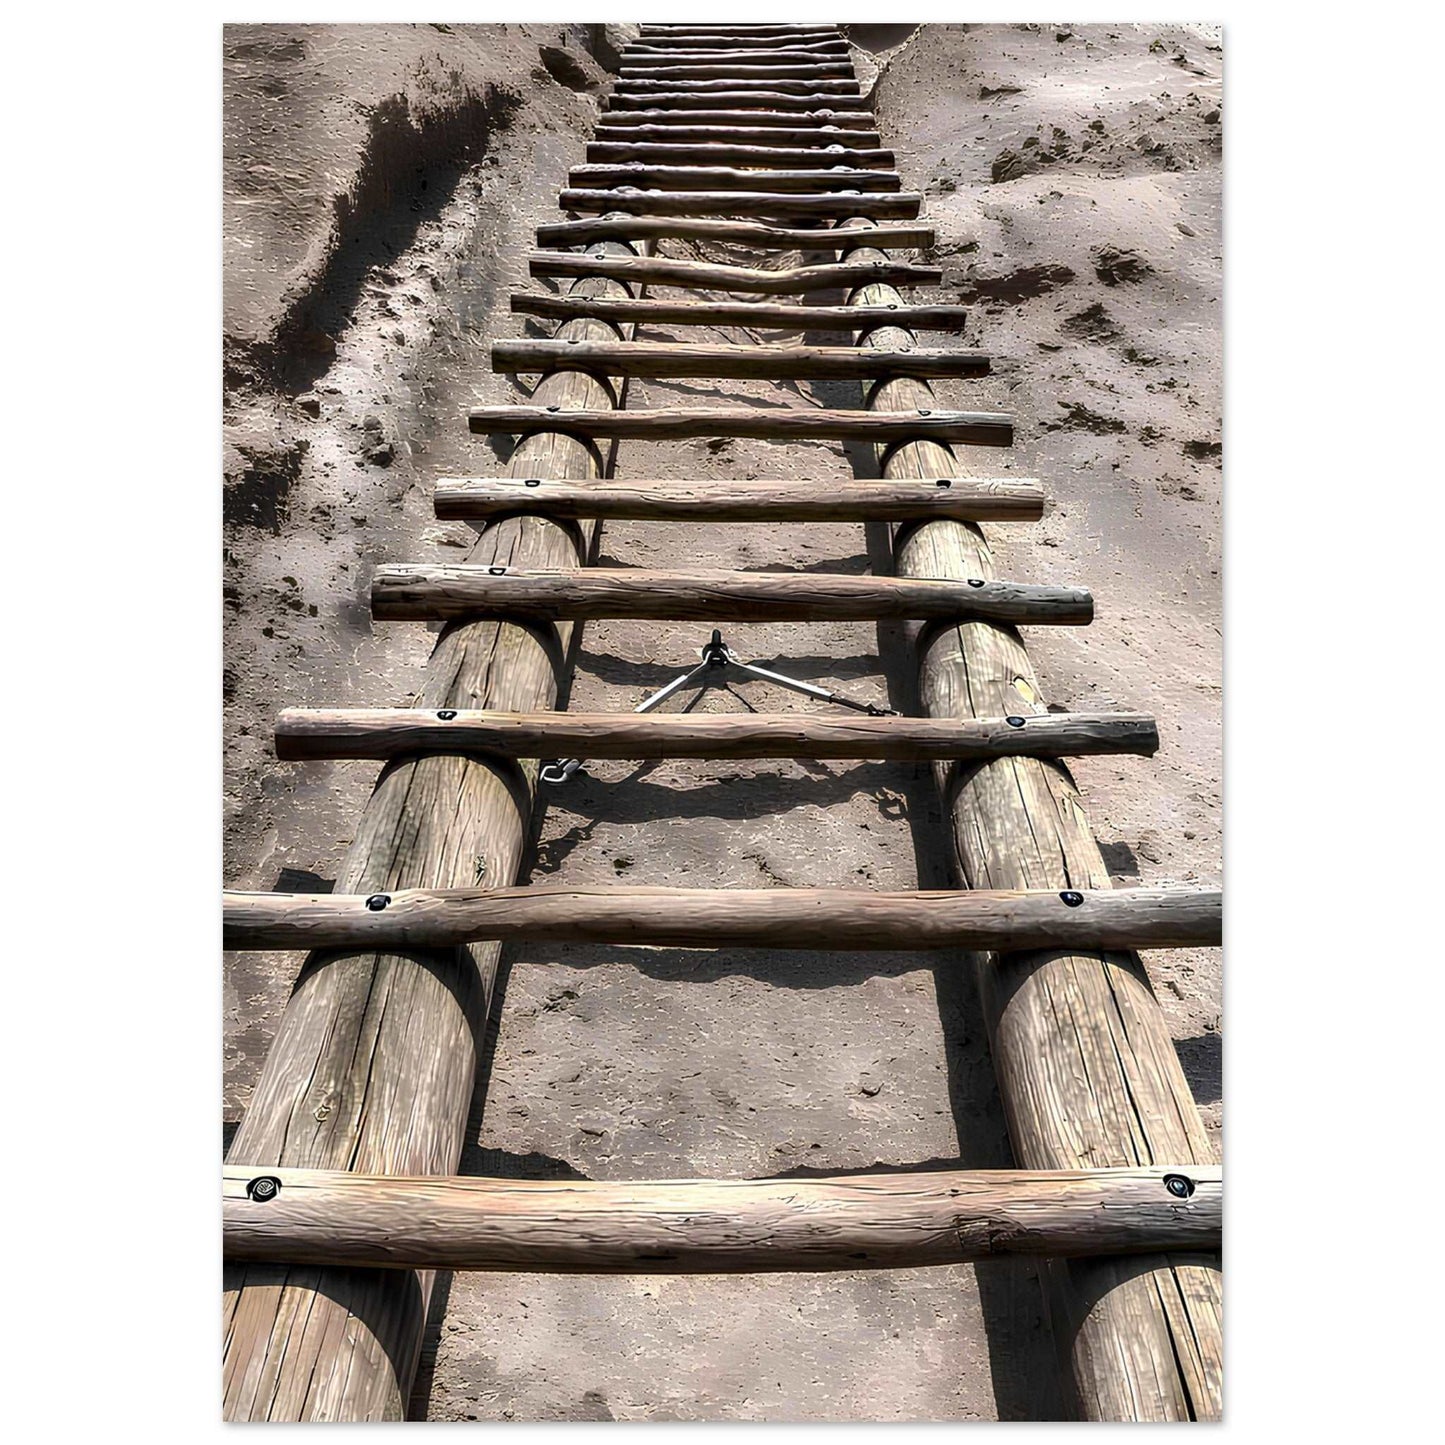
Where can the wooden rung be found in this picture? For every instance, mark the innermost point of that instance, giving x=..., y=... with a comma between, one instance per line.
x=659, y=270
x=348, y=733
x=725, y=178
x=763, y=139
x=773, y=70
x=768, y=363
x=904, y=205
x=743, y=50
x=822, y=121
x=979, y=428
x=813, y=918
x=737, y=34
x=752, y=233
x=416, y=592
x=962, y=499
x=743, y=313
x=748, y=101
x=647, y=58
x=826, y=90
x=759, y=157
x=317, y=1217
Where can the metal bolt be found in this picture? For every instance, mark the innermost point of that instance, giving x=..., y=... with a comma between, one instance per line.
x=975, y=582
x=925, y=411
x=263, y=1188
x=446, y=714
x=378, y=901
x=496, y=571
x=554, y=408
x=532, y=482
x=944, y=482
x=1178, y=1185
x=1071, y=898
x=1013, y=721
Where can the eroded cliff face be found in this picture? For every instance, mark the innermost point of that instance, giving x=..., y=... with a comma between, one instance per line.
x=383, y=184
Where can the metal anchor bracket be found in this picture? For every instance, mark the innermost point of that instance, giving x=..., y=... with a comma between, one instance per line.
x=717, y=657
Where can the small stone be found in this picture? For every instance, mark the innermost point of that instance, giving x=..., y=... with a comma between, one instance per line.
x=310, y=403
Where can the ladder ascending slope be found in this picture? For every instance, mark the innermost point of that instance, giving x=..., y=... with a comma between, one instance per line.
x=339, y=1191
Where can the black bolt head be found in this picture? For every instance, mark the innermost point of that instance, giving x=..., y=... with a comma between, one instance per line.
x=975, y=581
x=378, y=901
x=1178, y=1185
x=1072, y=899
x=446, y=714
x=263, y=1187
x=944, y=482
x=1013, y=721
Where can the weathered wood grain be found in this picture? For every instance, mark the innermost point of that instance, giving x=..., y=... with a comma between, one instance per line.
x=727, y=178
x=739, y=35
x=822, y=121
x=982, y=428
x=829, y=92
x=1086, y=1068
x=791, y=280
x=995, y=499
x=745, y=52
x=344, y=1085
x=641, y=68
x=420, y=592
x=774, y=363
x=713, y=1226
x=901, y=206
x=381, y=733
x=818, y=104
x=718, y=153
x=752, y=233
x=785, y=315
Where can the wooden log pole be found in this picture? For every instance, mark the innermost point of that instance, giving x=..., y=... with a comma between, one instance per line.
x=380, y=733
x=1086, y=1068
x=344, y=1085
x=746, y=128
x=790, y=280
x=738, y=35
x=719, y=153
x=982, y=428
x=994, y=499
x=853, y=920
x=780, y=315
x=418, y=592
x=750, y=233
x=713, y=1226
x=727, y=178
x=884, y=206
x=776, y=363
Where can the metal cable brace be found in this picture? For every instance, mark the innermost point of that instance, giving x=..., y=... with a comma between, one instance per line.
x=718, y=657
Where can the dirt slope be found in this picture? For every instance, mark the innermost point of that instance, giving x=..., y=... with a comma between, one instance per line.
x=1092, y=261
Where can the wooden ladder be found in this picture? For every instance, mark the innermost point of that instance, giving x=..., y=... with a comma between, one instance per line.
x=339, y=1194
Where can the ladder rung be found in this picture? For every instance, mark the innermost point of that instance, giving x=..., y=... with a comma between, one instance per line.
x=848, y=919
x=646, y=58
x=964, y=499
x=712, y=1226
x=794, y=280
x=743, y=313
x=748, y=101
x=772, y=363
x=417, y=592
x=902, y=205
x=830, y=92
x=979, y=428
x=753, y=233
x=760, y=157
x=350, y=733
x=822, y=122
x=724, y=178
x=790, y=69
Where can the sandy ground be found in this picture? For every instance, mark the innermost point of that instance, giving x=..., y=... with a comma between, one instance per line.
x=1073, y=175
